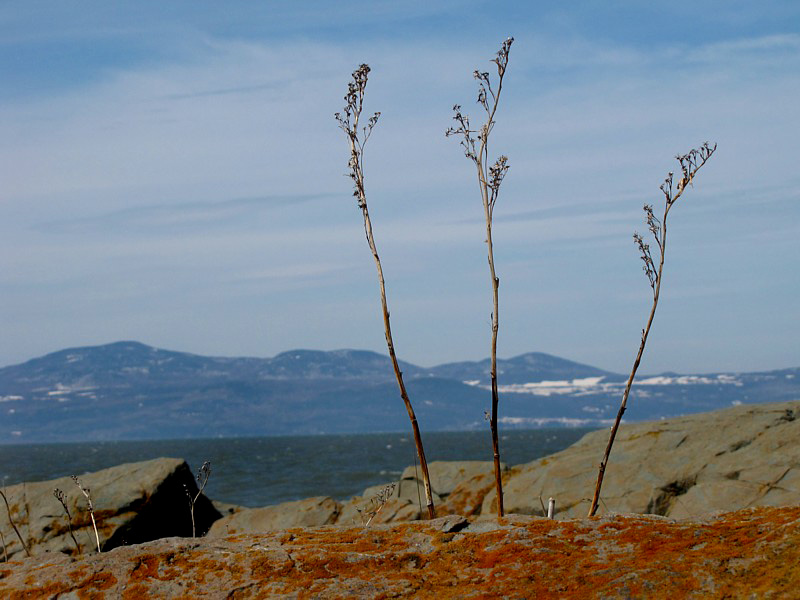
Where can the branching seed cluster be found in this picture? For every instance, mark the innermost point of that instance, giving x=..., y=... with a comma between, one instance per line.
x=348, y=122
x=690, y=163
x=62, y=498
x=475, y=141
x=376, y=503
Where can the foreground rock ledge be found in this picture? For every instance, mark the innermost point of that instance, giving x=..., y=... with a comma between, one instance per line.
x=748, y=553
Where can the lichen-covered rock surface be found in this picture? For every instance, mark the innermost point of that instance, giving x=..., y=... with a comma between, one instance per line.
x=752, y=553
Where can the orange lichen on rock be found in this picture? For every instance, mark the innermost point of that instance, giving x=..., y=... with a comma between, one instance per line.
x=146, y=568
x=749, y=552
x=98, y=581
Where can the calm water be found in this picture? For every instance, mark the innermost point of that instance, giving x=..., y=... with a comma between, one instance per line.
x=268, y=470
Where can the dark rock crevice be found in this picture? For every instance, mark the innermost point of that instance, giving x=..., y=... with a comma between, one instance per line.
x=661, y=504
x=739, y=445
x=165, y=515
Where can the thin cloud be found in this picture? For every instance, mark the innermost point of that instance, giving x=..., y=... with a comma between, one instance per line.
x=180, y=216
x=590, y=125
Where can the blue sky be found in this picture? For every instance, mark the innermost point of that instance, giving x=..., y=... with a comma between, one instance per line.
x=172, y=173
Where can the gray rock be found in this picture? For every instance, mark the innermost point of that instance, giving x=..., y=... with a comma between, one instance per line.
x=226, y=508
x=406, y=500
x=398, y=501
x=467, y=497
x=361, y=510
x=311, y=512
x=689, y=466
x=133, y=503
x=447, y=475
x=744, y=456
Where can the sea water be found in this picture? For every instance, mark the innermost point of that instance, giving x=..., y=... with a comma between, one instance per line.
x=267, y=470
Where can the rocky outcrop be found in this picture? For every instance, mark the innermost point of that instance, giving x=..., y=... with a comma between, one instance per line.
x=745, y=456
x=749, y=554
x=748, y=455
x=404, y=500
x=447, y=475
x=685, y=467
x=311, y=512
x=133, y=503
x=386, y=503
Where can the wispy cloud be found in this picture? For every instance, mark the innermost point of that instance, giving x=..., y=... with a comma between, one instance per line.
x=179, y=217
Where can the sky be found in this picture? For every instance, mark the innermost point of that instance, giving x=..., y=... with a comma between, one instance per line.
x=172, y=173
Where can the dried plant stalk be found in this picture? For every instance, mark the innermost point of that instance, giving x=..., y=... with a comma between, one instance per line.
x=86, y=493
x=203, y=473
x=475, y=143
x=349, y=123
x=14, y=525
x=690, y=163
x=376, y=504
x=61, y=497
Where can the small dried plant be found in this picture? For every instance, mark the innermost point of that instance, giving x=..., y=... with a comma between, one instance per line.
x=357, y=137
x=62, y=498
x=14, y=526
x=87, y=494
x=376, y=504
x=203, y=473
x=690, y=164
x=475, y=143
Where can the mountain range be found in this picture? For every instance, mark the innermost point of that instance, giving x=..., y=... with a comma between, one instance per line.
x=127, y=390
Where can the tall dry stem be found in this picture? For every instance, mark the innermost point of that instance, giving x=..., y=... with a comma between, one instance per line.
x=348, y=121
x=690, y=163
x=475, y=143
x=14, y=525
